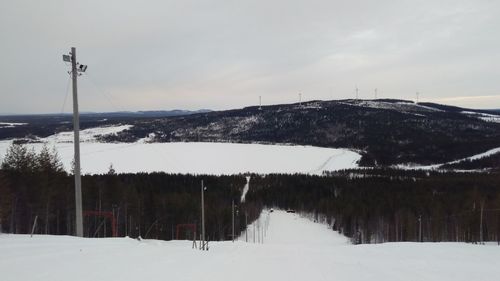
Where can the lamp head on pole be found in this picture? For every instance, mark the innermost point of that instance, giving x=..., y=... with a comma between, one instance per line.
x=82, y=68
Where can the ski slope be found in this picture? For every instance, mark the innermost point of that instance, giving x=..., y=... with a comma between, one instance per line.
x=192, y=158
x=293, y=248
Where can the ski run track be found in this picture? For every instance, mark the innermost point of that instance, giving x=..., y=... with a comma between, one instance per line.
x=289, y=248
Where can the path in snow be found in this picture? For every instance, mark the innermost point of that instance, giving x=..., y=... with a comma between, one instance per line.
x=245, y=190
x=294, y=249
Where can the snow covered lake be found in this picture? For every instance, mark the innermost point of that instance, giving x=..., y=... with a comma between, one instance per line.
x=194, y=158
x=294, y=248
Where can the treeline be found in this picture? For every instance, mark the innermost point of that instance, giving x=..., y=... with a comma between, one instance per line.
x=486, y=162
x=35, y=187
x=368, y=205
x=372, y=206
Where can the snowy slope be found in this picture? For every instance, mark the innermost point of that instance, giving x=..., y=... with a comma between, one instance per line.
x=483, y=116
x=195, y=158
x=87, y=135
x=437, y=166
x=294, y=249
x=403, y=107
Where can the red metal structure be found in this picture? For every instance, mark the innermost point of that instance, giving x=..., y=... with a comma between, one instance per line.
x=190, y=226
x=108, y=215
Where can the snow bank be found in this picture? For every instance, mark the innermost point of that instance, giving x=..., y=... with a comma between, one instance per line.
x=294, y=249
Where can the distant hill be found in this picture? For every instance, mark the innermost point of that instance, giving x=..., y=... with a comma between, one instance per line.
x=384, y=131
x=43, y=125
x=146, y=114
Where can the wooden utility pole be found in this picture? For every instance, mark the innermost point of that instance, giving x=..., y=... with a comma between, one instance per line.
x=202, y=217
x=481, y=224
x=232, y=221
x=76, y=68
x=246, y=227
x=420, y=228
x=254, y=232
x=259, y=231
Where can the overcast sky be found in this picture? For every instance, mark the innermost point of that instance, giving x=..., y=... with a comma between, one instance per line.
x=150, y=55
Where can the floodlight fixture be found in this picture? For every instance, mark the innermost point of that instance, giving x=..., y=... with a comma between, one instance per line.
x=82, y=68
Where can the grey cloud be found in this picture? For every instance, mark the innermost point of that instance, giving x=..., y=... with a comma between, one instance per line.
x=224, y=54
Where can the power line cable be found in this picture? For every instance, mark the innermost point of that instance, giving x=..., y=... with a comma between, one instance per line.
x=162, y=155
x=106, y=95
x=66, y=95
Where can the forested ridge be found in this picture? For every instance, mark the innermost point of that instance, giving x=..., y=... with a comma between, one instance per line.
x=35, y=126
x=384, y=131
x=368, y=205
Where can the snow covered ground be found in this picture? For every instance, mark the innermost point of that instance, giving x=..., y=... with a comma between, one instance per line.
x=403, y=107
x=483, y=116
x=437, y=166
x=203, y=158
x=87, y=135
x=11, y=125
x=195, y=158
x=294, y=249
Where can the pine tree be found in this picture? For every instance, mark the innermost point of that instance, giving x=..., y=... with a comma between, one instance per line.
x=19, y=158
x=111, y=170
